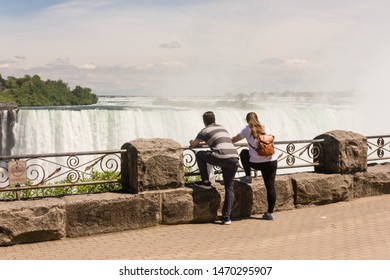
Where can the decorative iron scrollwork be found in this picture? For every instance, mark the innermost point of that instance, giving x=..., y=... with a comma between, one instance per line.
x=36, y=173
x=3, y=175
x=68, y=168
x=73, y=161
x=189, y=159
x=290, y=149
x=380, y=152
x=315, y=151
x=378, y=147
x=110, y=162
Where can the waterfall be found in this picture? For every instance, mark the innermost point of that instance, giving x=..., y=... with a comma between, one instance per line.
x=116, y=120
x=8, y=123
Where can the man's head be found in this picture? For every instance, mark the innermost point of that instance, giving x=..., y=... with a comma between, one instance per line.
x=208, y=118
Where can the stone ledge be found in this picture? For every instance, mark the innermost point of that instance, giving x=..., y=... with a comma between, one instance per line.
x=32, y=221
x=110, y=212
x=319, y=189
x=376, y=181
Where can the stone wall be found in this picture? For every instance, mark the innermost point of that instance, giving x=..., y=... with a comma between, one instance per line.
x=153, y=179
x=81, y=215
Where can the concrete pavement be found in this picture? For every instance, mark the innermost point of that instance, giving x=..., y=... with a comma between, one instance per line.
x=353, y=230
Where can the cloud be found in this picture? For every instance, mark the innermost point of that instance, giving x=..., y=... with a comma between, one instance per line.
x=18, y=57
x=272, y=62
x=171, y=45
x=59, y=61
x=62, y=60
x=9, y=60
x=137, y=47
x=173, y=64
x=88, y=66
x=6, y=63
x=286, y=63
x=297, y=63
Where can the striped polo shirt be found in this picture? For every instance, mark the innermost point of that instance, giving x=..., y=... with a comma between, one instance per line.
x=219, y=141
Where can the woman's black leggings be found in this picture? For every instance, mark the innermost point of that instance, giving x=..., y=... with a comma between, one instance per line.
x=268, y=171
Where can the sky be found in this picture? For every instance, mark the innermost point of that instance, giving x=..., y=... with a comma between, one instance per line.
x=191, y=48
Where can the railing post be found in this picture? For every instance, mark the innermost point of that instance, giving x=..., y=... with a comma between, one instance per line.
x=151, y=164
x=127, y=168
x=343, y=152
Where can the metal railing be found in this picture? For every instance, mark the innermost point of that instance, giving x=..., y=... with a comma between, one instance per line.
x=378, y=148
x=27, y=172
x=291, y=154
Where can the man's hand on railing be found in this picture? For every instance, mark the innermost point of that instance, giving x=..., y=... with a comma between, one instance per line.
x=197, y=143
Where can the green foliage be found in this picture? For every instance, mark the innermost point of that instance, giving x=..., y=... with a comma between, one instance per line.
x=190, y=178
x=32, y=91
x=69, y=190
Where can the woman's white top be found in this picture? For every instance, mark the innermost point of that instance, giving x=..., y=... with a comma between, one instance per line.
x=254, y=157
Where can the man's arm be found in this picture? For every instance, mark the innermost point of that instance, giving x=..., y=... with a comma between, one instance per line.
x=196, y=143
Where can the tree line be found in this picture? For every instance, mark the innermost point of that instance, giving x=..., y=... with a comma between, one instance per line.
x=33, y=91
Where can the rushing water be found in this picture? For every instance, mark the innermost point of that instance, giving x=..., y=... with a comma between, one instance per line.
x=116, y=120
x=8, y=123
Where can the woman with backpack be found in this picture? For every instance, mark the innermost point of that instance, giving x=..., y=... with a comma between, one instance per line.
x=267, y=164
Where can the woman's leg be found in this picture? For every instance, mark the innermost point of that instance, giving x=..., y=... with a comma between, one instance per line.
x=268, y=171
x=244, y=156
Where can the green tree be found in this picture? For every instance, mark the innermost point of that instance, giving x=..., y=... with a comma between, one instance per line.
x=2, y=84
x=32, y=91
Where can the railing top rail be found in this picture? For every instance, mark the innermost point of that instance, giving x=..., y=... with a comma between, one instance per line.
x=377, y=136
x=30, y=156
x=276, y=143
x=300, y=141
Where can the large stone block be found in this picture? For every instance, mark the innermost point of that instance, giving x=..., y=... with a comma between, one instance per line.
x=243, y=199
x=32, y=221
x=376, y=181
x=177, y=206
x=189, y=205
x=206, y=204
x=319, y=189
x=110, y=212
x=284, y=194
x=342, y=152
x=152, y=164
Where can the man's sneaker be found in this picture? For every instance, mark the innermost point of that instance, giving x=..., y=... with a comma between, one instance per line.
x=204, y=185
x=267, y=216
x=246, y=179
x=226, y=220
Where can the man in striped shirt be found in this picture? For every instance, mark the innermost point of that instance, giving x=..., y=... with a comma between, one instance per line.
x=222, y=153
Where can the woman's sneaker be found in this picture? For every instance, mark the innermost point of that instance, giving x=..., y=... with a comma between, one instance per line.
x=226, y=220
x=204, y=185
x=246, y=179
x=268, y=216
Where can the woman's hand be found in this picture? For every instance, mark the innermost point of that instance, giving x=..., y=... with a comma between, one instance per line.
x=236, y=138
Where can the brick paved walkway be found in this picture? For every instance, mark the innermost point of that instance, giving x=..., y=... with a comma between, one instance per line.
x=358, y=229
